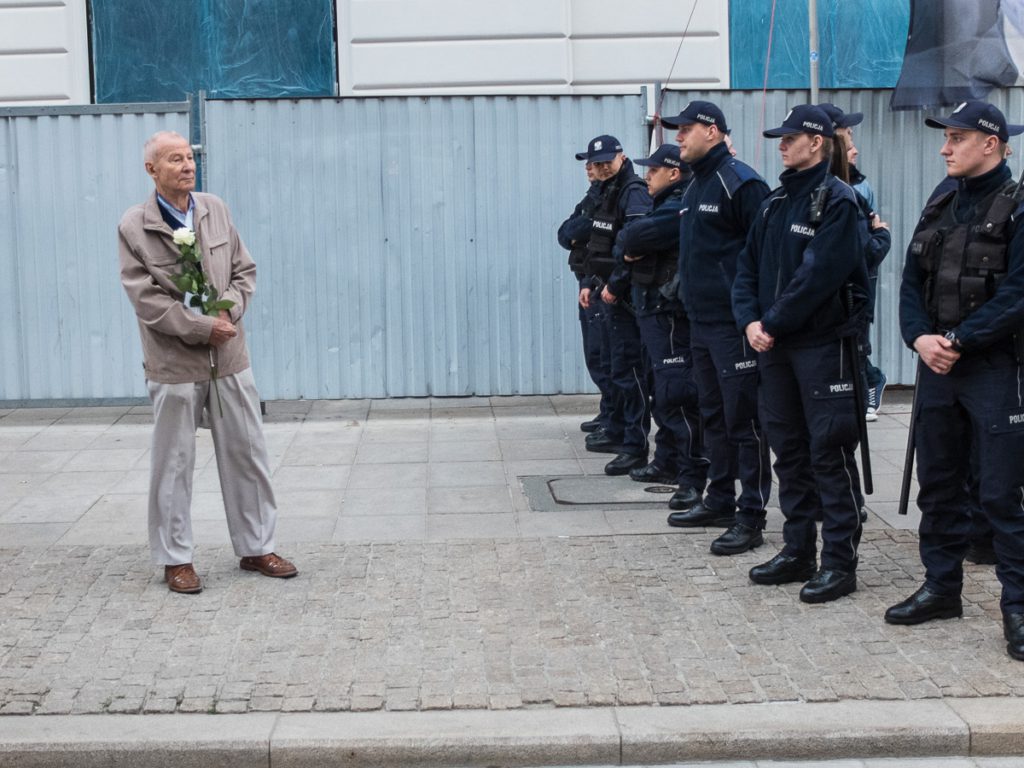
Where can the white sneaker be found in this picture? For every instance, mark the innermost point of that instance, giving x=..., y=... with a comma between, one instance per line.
x=871, y=415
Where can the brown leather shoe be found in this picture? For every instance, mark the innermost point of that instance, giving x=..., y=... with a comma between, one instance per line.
x=269, y=565
x=182, y=578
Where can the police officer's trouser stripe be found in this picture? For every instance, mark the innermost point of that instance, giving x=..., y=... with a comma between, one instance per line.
x=847, y=459
x=760, y=462
x=643, y=396
x=694, y=455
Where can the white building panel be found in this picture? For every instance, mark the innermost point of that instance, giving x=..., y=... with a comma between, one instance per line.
x=44, y=52
x=391, y=47
x=415, y=65
x=660, y=18
x=612, y=61
x=384, y=20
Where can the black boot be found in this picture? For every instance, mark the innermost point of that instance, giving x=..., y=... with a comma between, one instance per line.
x=684, y=498
x=700, y=514
x=925, y=605
x=652, y=473
x=601, y=442
x=783, y=569
x=828, y=584
x=1013, y=631
x=739, y=538
x=624, y=462
x=592, y=425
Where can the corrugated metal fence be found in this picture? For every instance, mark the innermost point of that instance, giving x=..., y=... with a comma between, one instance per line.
x=66, y=176
x=405, y=245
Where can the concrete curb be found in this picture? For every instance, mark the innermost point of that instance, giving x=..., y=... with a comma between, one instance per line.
x=538, y=737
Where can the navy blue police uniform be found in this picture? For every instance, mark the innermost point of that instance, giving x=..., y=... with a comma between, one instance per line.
x=793, y=276
x=964, y=278
x=573, y=235
x=879, y=242
x=718, y=210
x=980, y=550
x=664, y=331
x=624, y=199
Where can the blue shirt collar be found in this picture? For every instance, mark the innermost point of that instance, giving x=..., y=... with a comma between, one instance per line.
x=185, y=219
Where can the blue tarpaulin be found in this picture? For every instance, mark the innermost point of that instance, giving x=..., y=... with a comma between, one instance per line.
x=154, y=50
x=861, y=43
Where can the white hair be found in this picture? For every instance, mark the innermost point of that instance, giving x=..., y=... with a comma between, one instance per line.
x=149, y=149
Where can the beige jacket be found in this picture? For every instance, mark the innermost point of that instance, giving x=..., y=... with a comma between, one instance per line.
x=174, y=338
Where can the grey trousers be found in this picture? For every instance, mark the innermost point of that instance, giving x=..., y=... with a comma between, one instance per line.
x=242, y=465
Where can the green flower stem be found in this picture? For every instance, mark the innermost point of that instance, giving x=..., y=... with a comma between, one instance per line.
x=204, y=295
x=213, y=378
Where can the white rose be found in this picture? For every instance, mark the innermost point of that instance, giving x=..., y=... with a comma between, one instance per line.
x=184, y=236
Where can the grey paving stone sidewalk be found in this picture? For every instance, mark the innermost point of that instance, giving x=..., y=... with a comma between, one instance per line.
x=431, y=581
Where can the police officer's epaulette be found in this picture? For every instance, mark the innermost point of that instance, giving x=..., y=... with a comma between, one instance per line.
x=633, y=182
x=1005, y=205
x=776, y=194
x=734, y=174
x=840, y=191
x=937, y=204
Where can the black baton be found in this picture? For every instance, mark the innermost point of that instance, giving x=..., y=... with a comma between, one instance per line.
x=908, y=460
x=860, y=401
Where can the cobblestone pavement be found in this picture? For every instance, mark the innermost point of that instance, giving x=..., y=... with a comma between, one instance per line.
x=879, y=762
x=504, y=623
x=428, y=583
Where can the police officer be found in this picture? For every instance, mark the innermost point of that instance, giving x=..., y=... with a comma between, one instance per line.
x=649, y=248
x=879, y=243
x=802, y=262
x=624, y=199
x=573, y=235
x=717, y=210
x=962, y=311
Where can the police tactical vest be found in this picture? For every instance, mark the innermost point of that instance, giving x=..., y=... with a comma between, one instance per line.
x=963, y=263
x=577, y=258
x=605, y=226
x=603, y=229
x=657, y=269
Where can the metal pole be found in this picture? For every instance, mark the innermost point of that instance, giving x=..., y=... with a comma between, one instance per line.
x=659, y=99
x=812, y=18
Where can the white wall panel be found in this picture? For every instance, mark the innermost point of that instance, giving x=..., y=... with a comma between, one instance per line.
x=423, y=65
x=469, y=47
x=44, y=52
x=377, y=20
x=612, y=61
x=601, y=18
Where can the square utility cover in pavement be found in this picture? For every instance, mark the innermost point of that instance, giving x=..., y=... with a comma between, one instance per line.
x=552, y=494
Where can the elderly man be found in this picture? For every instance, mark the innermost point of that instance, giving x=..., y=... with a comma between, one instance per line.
x=196, y=360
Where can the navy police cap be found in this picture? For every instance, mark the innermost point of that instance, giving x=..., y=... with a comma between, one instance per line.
x=703, y=112
x=665, y=156
x=977, y=116
x=839, y=118
x=805, y=118
x=601, y=150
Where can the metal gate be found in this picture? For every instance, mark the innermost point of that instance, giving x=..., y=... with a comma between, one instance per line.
x=67, y=174
x=406, y=246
